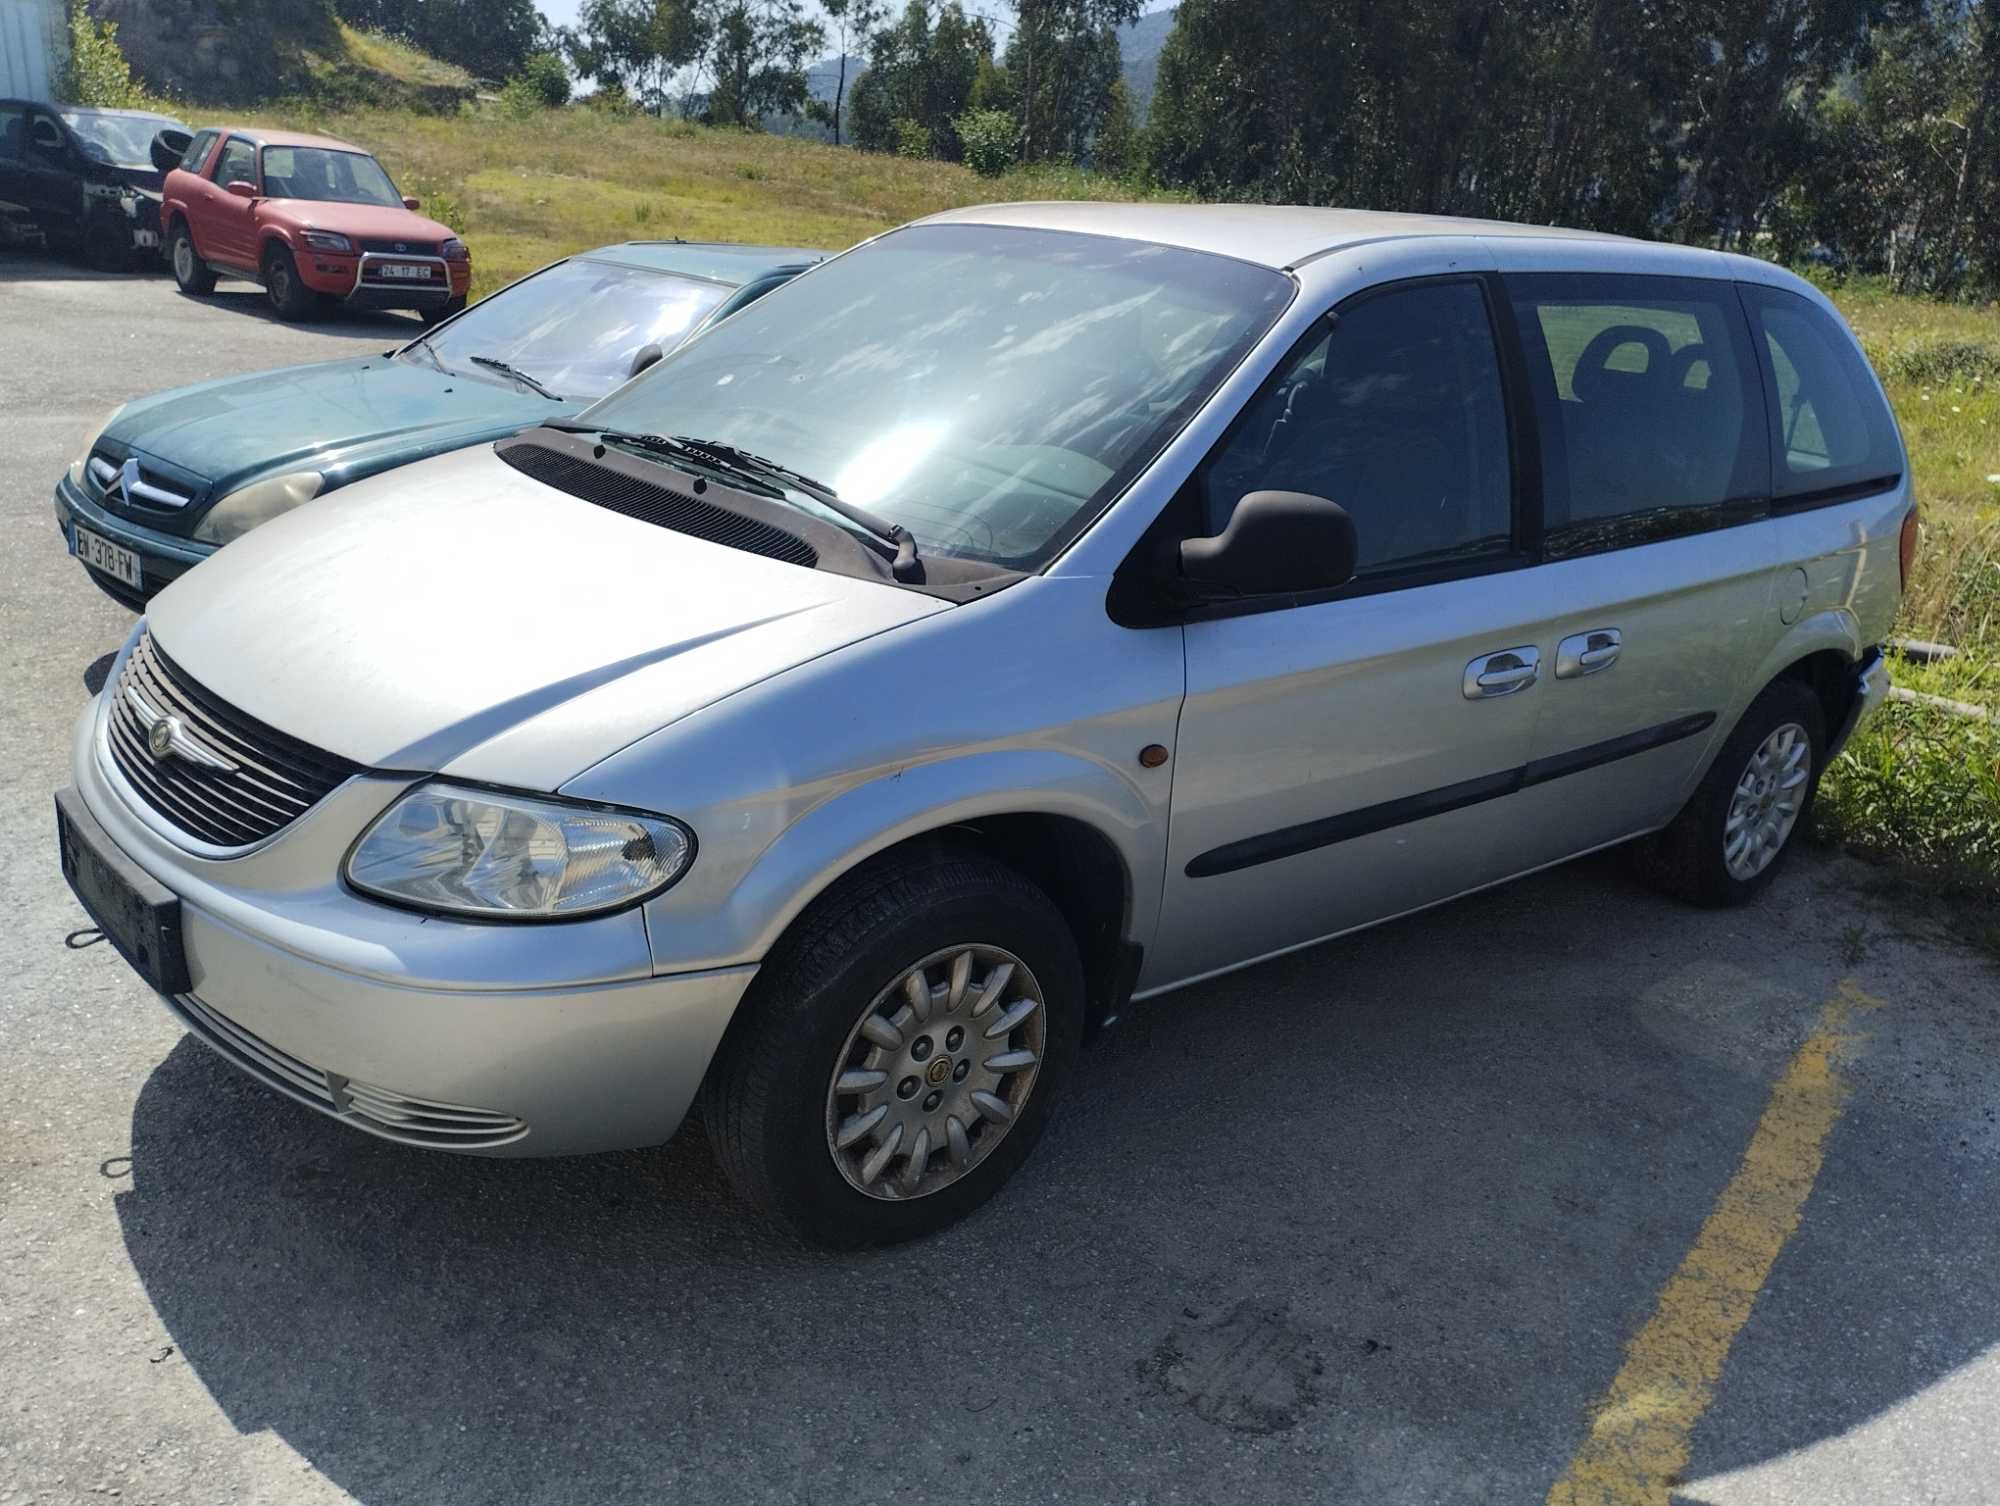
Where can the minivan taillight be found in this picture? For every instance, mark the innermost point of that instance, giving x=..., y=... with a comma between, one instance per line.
x=1906, y=546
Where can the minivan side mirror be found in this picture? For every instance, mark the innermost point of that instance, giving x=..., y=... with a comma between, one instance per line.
x=410, y=203
x=240, y=189
x=643, y=357
x=46, y=137
x=1276, y=542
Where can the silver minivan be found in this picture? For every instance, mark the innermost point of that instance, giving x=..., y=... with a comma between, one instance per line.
x=1036, y=609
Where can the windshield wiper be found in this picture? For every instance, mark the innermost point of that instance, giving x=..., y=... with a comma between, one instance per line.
x=512, y=371
x=900, y=543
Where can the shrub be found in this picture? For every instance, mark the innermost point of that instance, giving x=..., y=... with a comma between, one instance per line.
x=544, y=73
x=611, y=99
x=913, y=137
x=439, y=202
x=96, y=72
x=989, y=139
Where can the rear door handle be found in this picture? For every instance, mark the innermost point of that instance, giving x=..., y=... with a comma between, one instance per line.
x=1503, y=673
x=1587, y=653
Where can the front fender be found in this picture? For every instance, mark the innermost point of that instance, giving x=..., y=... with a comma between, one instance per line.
x=740, y=921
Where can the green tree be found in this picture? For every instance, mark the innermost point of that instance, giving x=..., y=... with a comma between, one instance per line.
x=488, y=38
x=1063, y=59
x=95, y=72
x=922, y=69
x=756, y=60
x=639, y=45
x=854, y=25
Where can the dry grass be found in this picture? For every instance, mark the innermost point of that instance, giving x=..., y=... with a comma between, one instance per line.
x=399, y=60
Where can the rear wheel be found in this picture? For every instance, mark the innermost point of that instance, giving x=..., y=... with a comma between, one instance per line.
x=1729, y=840
x=190, y=271
x=901, y=1050
x=289, y=296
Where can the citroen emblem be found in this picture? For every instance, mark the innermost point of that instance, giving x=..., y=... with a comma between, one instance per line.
x=128, y=477
x=160, y=736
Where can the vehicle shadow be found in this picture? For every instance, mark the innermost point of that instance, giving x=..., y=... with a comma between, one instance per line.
x=248, y=300
x=1402, y=1198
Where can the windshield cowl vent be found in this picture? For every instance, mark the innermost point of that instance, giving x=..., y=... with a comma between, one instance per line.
x=649, y=502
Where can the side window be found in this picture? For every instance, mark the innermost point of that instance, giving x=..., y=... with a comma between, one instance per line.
x=1830, y=428
x=1648, y=402
x=197, y=152
x=238, y=162
x=13, y=132
x=1397, y=414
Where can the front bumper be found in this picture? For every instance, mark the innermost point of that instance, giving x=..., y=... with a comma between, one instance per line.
x=163, y=558
x=350, y=279
x=1871, y=689
x=505, y=1040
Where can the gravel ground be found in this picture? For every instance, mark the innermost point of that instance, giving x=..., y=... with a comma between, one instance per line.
x=1374, y=1223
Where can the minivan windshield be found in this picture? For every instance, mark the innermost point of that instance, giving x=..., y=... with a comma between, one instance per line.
x=311, y=172
x=577, y=327
x=124, y=139
x=988, y=388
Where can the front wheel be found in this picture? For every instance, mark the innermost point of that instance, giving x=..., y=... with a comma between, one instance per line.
x=192, y=273
x=1728, y=842
x=290, y=297
x=900, y=1053
x=436, y=314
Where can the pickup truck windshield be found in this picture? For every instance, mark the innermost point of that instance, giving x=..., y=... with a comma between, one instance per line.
x=990, y=389
x=577, y=327
x=123, y=139
x=311, y=172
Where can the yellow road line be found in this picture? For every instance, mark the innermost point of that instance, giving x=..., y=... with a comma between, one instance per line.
x=1640, y=1431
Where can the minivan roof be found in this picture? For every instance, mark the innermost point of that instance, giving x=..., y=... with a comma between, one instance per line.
x=1275, y=235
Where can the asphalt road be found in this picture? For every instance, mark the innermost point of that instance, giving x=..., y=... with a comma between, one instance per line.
x=1564, y=1189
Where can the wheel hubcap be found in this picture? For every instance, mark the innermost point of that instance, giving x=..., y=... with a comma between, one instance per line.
x=935, y=1072
x=1770, y=793
x=183, y=260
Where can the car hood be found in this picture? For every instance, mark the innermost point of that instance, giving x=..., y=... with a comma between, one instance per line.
x=353, y=416
x=371, y=221
x=456, y=616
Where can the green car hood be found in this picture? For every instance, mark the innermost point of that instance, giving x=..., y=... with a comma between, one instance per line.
x=344, y=419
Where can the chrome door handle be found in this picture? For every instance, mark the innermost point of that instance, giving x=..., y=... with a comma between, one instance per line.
x=1587, y=653
x=1503, y=673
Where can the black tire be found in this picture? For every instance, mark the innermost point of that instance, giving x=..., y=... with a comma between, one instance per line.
x=1689, y=859
x=765, y=1101
x=194, y=275
x=438, y=313
x=290, y=297
x=107, y=245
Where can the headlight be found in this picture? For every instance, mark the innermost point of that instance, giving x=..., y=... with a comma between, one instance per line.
x=259, y=502
x=454, y=250
x=78, y=466
x=515, y=857
x=326, y=240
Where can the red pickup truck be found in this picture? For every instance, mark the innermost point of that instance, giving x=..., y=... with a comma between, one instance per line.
x=316, y=221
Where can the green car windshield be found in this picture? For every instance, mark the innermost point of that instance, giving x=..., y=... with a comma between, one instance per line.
x=575, y=328
x=123, y=139
x=990, y=389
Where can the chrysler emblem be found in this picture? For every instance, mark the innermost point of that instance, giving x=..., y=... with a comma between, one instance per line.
x=167, y=736
x=160, y=736
x=128, y=477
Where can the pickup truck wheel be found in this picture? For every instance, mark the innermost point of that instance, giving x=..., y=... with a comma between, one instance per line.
x=289, y=295
x=900, y=1052
x=1730, y=839
x=190, y=271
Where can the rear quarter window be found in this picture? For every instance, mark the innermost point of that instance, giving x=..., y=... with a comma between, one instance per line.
x=197, y=152
x=1831, y=432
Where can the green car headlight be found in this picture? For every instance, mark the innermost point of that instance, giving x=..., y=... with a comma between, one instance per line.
x=259, y=502
x=464, y=851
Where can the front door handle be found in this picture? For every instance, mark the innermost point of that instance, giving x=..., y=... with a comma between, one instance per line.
x=1503, y=673
x=1587, y=653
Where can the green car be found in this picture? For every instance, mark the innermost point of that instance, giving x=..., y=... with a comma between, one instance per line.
x=171, y=478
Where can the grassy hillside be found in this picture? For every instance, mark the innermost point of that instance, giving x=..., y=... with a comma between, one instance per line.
x=1922, y=785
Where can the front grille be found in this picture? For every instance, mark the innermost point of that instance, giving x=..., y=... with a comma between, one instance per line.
x=393, y=1116
x=658, y=505
x=148, y=490
x=401, y=248
x=226, y=779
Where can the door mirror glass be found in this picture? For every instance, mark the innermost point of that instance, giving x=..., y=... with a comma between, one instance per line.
x=410, y=203
x=240, y=189
x=1276, y=542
